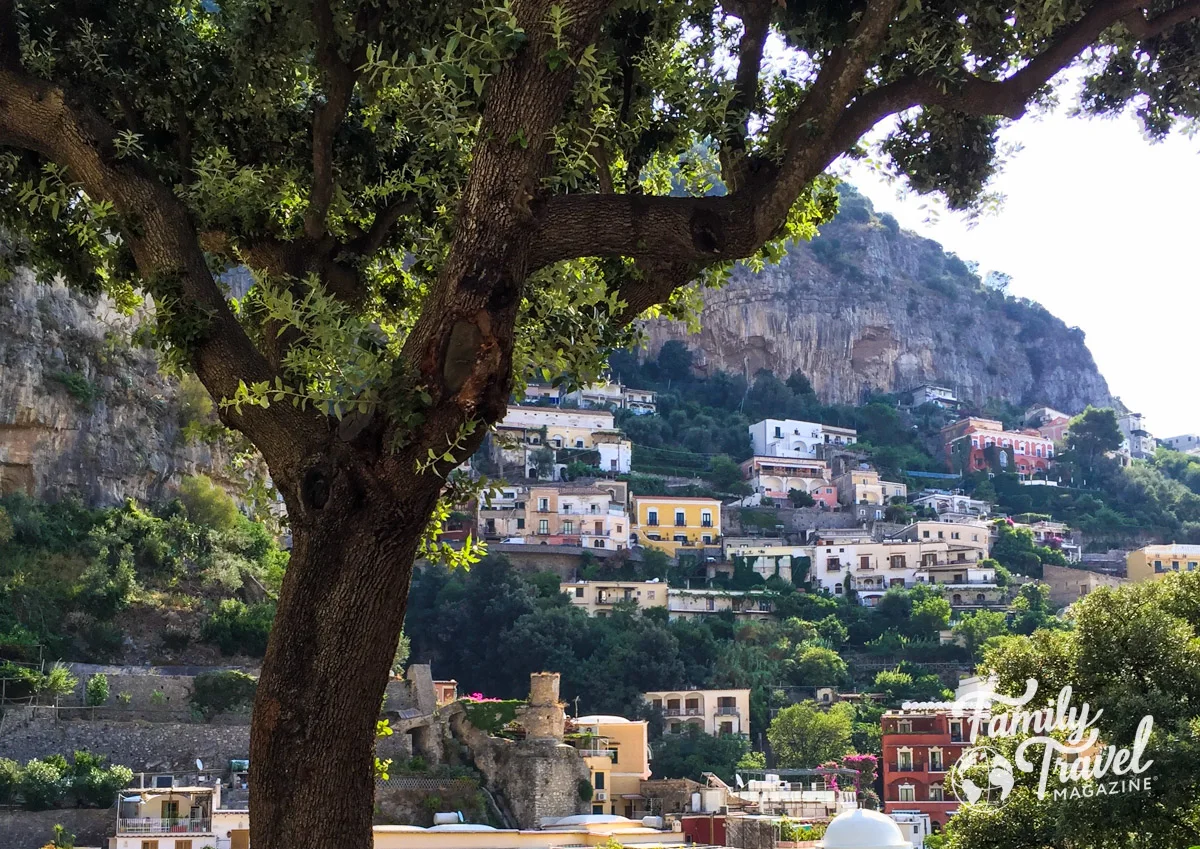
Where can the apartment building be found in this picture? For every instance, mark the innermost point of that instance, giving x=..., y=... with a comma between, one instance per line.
x=178, y=818
x=1049, y=422
x=617, y=753
x=928, y=393
x=501, y=514
x=919, y=747
x=770, y=560
x=526, y=430
x=597, y=598
x=1188, y=443
x=792, y=438
x=743, y=604
x=871, y=568
x=589, y=515
x=776, y=477
x=1142, y=443
x=715, y=712
x=1154, y=562
x=974, y=444
x=671, y=522
x=966, y=542
x=863, y=486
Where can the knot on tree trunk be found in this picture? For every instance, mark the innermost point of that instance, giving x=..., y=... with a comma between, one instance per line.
x=708, y=231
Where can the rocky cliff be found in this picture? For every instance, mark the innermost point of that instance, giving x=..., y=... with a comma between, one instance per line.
x=83, y=411
x=868, y=307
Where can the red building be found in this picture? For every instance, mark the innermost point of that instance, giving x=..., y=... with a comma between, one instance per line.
x=975, y=444
x=919, y=747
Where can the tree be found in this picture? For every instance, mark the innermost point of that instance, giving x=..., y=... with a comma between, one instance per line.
x=1133, y=653
x=400, y=658
x=414, y=212
x=975, y=629
x=59, y=682
x=96, y=690
x=803, y=735
x=1092, y=434
x=800, y=498
x=819, y=667
x=42, y=784
x=691, y=753
x=725, y=475
x=675, y=360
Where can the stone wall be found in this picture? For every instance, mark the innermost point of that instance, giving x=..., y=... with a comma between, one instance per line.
x=141, y=746
x=140, y=683
x=33, y=829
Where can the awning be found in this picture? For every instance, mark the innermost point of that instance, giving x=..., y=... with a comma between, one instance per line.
x=632, y=796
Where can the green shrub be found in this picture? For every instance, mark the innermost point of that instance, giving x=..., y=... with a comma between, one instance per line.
x=491, y=716
x=41, y=785
x=10, y=779
x=176, y=639
x=78, y=387
x=96, y=690
x=22, y=681
x=238, y=628
x=96, y=787
x=59, y=682
x=584, y=789
x=207, y=504
x=221, y=692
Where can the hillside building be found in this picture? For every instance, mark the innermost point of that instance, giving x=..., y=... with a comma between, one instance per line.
x=927, y=393
x=776, y=477
x=1154, y=562
x=1188, y=443
x=1068, y=585
x=597, y=598
x=743, y=604
x=797, y=439
x=975, y=444
x=1142, y=443
x=715, y=712
x=617, y=753
x=672, y=522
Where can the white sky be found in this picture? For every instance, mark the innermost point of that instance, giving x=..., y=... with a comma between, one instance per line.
x=1102, y=228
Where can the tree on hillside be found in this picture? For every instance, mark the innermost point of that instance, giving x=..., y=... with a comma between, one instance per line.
x=675, y=360
x=804, y=735
x=1092, y=434
x=364, y=222
x=1133, y=653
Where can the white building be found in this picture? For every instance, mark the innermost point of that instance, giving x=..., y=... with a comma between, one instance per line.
x=1141, y=443
x=928, y=393
x=178, y=818
x=1188, y=443
x=526, y=431
x=791, y=438
x=952, y=503
x=770, y=560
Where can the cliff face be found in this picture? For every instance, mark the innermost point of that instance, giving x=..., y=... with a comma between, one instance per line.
x=867, y=307
x=83, y=412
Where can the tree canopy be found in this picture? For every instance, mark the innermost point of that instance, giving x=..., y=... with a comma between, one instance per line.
x=363, y=222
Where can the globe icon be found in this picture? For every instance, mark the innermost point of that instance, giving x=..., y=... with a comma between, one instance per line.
x=982, y=776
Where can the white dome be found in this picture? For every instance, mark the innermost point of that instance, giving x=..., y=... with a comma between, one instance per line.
x=863, y=829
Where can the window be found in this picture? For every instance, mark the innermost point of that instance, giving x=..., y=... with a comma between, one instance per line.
x=579, y=592
x=935, y=793
x=578, y=443
x=650, y=594
x=543, y=526
x=170, y=810
x=907, y=793
x=904, y=726
x=597, y=543
x=711, y=603
x=833, y=564
x=597, y=809
x=864, y=562
x=520, y=524
x=568, y=527
x=925, y=534
x=956, y=731
x=543, y=505
x=652, y=517
x=149, y=844
x=598, y=783
x=705, y=518
x=183, y=844
x=935, y=760
x=779, y=433
x=680, y=538
x=904, y=760
x=680, y=519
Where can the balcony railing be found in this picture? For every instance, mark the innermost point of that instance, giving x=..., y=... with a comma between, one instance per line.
x=152, y=825
x=727, y=711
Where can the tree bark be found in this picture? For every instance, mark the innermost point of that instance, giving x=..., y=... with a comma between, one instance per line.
x=355, y=534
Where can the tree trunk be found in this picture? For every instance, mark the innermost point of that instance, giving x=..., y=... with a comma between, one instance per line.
x=339, y=617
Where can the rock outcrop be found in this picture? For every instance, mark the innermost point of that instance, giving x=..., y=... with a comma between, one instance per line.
x=83, y=411
x=868, y=307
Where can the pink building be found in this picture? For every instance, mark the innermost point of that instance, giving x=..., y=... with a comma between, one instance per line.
x=975, y=444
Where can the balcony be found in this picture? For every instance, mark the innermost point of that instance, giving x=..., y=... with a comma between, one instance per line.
x=151, y=825
x=706, y=524
x=728, y=711
x=680, y=524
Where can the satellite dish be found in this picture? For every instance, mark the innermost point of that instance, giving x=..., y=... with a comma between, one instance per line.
x=199, y=765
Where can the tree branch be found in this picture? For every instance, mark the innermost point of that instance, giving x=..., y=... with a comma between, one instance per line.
x=42, y=118
x=756, y=21
x=1142, y=28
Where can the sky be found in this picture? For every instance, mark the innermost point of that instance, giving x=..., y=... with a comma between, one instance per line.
x=1102, y=228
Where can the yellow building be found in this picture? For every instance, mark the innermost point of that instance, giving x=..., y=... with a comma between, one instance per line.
x=1153, y=562
x=715, y=712
x=617, y=753
x=592, y=516
x=966, y=542
x=864, y=486
x=597, y=598
x=672, y=523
